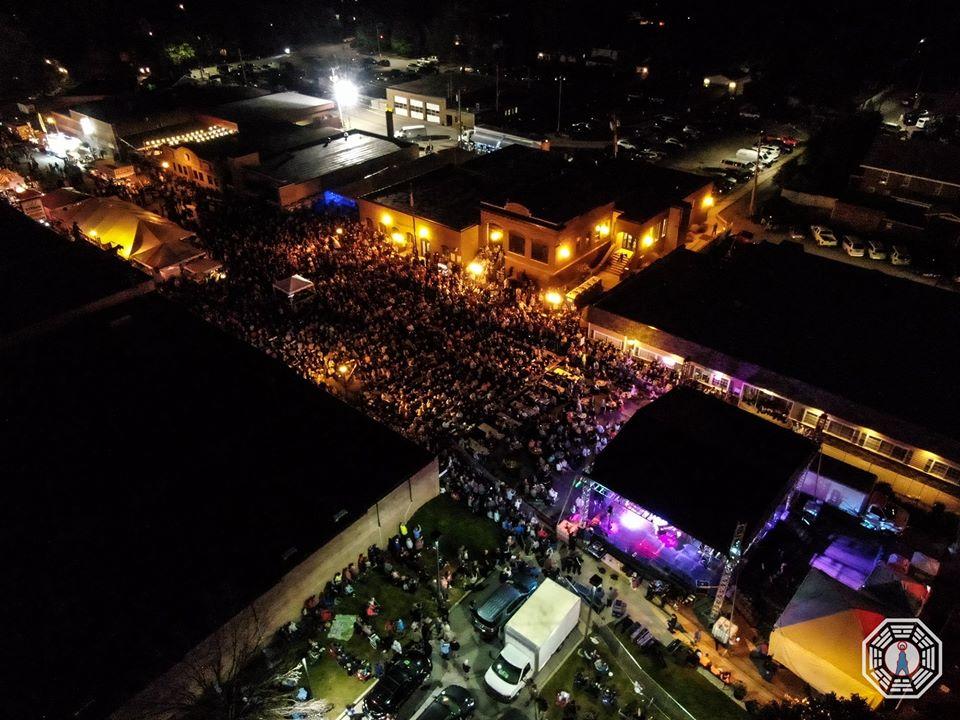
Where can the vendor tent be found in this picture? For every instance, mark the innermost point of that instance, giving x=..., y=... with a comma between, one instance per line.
x=121, y=224
x=293, y=286
x=819, y=636
x=11, y=180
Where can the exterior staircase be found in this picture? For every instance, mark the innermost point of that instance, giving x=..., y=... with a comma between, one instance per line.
x=618, y=262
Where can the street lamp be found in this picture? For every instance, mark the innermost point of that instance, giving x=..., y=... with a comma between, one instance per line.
x=560, y=79
x=346, y=95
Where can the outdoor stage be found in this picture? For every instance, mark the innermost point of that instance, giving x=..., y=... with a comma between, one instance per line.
x=646, y=538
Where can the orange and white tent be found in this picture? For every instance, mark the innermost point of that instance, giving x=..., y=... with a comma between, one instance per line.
x=819, y=636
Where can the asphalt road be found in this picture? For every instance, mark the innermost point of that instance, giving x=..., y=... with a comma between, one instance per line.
x=480, y=653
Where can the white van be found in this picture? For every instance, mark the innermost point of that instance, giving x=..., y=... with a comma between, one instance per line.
x=738, y=164
x=753, y=155
x=412, y=131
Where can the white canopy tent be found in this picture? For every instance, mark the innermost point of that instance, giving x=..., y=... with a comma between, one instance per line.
x=294, y=287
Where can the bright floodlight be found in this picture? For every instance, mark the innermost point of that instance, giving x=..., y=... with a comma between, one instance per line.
x=345, y=92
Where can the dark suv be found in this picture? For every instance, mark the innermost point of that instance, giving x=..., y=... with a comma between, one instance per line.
x=403, y=676
x=490, y=615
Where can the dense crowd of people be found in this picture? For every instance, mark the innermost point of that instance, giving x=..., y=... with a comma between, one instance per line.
x=431, y=350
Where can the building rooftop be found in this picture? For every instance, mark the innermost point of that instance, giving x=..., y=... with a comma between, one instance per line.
x=659, y=188
x=275, y=107
x=554, y=188
x=446, y=85
x=181, y=98
x=44, y=276
x=877, y=350
x=145, y=446
x=337, y=151
x=703, y=465
x=449, y=195
x=916, y=157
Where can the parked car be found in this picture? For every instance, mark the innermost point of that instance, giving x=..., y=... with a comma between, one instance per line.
x=747, y=237
x=823, y=236
x=383, y=62
x=796, y=233
x=675, y=142
x=652, y=154
x=403, y=676
x=900, y=255
x=854, y=246
x=626, y=144
x=876, y=250
x=454, y=702
x=490, y=615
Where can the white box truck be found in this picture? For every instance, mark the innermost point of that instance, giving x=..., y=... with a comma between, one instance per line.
x=531, y=637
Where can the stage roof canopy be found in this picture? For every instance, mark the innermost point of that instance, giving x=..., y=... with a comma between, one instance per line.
x=703, y=465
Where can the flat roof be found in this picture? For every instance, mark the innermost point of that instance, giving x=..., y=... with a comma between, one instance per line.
x=43, y=275
x=120, y=108
x=702, y=464
x=160, y=475
x=659, y=188
x=335, y=153
x=885, y=347
x=917, y=157
x=283, y=106
x=446, y=84
x=552, y=186
x=449, y=195
x=557, y=188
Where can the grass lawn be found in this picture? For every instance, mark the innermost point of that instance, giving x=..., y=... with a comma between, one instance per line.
x=457, y=526
x=563, y=680
x=329, y=680
x=694, y=692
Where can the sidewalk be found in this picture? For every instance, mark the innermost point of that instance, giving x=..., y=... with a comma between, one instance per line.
x=737, y=659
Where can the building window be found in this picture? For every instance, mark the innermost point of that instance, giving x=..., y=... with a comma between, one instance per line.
x=597, y=335
x=844, y=432
x=416, y=114
x=416, y=103
x=935, y=467
x=540, y=252
x=433, y=116
x=518, y=244
x=810, y=417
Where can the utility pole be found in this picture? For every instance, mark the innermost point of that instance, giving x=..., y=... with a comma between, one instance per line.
x=559, y=101
x=756, y=176
x=243, y=71
x=379, y=37
x=496, y=100
x=416, y=255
